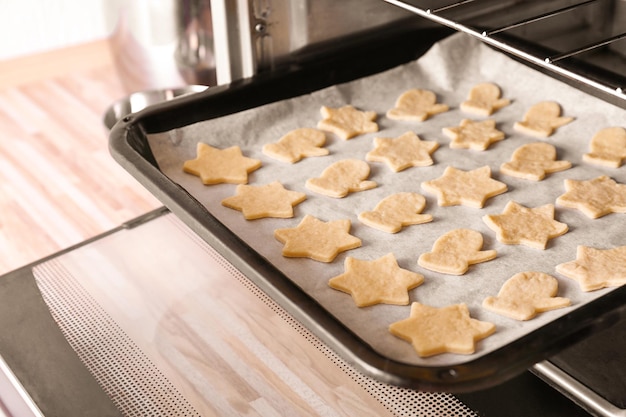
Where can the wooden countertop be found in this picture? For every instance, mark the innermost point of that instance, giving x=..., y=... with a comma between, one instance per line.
x=58, y=183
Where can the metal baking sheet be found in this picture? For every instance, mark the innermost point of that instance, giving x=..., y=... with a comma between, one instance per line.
x=449, y=69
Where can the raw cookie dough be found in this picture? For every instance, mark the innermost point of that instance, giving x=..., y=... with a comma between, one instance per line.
x=542, y=119
x=469, y=188
x=341, y=178
x=216, y=166
x=258, y=201
x=533, y=161
x=395, y=211
x=416, y=105
x=607, y=147
x=484, y=99
x=318, y=240
x=473, y=135
x=380, y=281
x=596, y=197
x=297, y=144
x=455, y=251
x=347, y=122
x=519, y=225
x=403, y=152
x=525, y=294
x=596, y=268
x=434, y=330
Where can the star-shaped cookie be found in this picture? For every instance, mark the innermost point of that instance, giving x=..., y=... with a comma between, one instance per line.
x=270, y=200
x=484, y=99
x=525, y=294
x=542, y=119
x=596, y=197
x=473, y=135
x=416, y=105
x=455, y=251
x=434, y=330
x=596, y=268
x=607, y=147
x=396, y=211
x=403, y=152
x=532, y=227
x=380, y=281
x=216, y=166
x=347, y=122
x=318, y=240
x=469, y=188
x=533, y=161
x=297, y=144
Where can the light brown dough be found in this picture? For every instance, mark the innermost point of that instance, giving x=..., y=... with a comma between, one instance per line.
x=542, y=119
x=316, y=239
x=455, y=251
x=403, y=152
x=468, y=188
x=396, y=211
x=532, y=227
x=258, y=201
x=297, y=144
x=477, y=135
x=347, y=122
x=484, y=99
x=216, y=166
x=607, y=147
x=525, y=294
x=341, y=178
x=433, y=330
x=533, y=161
x=416, y=105
x=380, y=281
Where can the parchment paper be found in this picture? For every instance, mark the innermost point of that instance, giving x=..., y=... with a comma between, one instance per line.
x=449, y=69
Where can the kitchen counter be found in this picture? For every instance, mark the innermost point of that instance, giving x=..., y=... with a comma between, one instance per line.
x=58, y=183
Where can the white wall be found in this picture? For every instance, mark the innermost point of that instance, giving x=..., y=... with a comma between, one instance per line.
x=31, y=26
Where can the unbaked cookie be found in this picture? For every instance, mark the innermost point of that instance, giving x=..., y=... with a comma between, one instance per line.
x=596, y=268
x=403, y=152
x=316, y=239
x=484, y=99
x=455, y=251
x=341, y=178
x=434, y=330
x=381, y=281
x=270, y=200
x=477, y=135
x=542, y=119
x=347, y=122
x=525, y=294
x=607, y=147
x=596, y=197
x=216, y=166
x=416, y=105
x=533, y=161
x=519, y=225
x=297, y=144
x=469, y=188
x=395, y=211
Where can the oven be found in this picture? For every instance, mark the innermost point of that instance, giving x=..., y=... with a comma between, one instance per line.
x=193, y=310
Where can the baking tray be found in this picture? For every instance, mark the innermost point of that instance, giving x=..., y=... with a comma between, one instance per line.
x=130, y=146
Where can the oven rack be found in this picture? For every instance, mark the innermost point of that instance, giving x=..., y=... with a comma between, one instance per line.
x=583, y=42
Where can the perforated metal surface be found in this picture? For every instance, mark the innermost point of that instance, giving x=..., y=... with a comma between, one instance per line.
x=137, y=386
x=133, y=382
